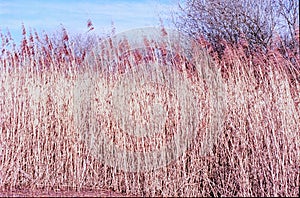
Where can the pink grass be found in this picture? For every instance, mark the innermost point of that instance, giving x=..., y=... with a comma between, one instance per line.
x=247, y=146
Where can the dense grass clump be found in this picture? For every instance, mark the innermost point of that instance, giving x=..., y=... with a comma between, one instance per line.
x=104, y=115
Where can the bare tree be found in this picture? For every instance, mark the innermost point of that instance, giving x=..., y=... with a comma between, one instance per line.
x=289, y=23
x=253, y=20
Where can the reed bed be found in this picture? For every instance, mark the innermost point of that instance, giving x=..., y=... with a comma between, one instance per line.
x=145, y=125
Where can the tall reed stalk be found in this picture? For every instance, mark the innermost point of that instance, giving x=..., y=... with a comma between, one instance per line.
x=145, y=125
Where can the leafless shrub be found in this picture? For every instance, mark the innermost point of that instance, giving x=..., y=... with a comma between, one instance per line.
x=257, y=22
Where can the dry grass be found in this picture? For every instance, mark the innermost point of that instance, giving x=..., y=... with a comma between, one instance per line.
x=151, y=129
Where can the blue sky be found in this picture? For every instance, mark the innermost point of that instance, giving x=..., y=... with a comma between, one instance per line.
x=50, y=16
